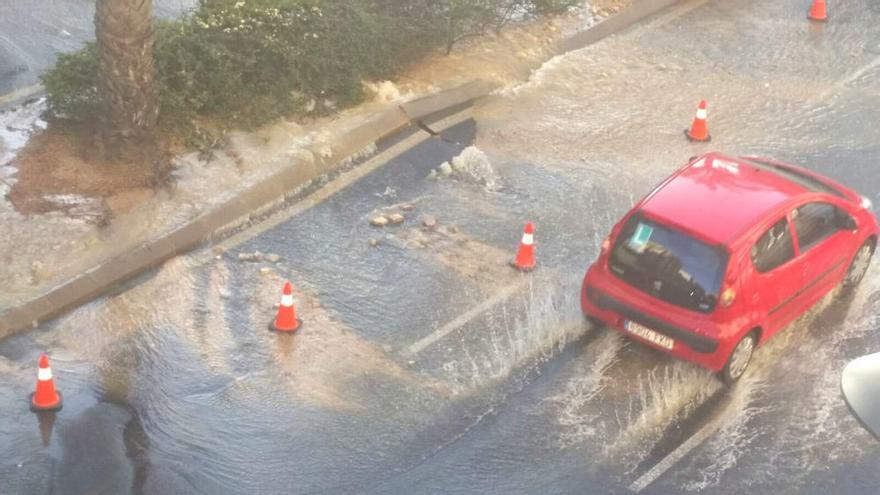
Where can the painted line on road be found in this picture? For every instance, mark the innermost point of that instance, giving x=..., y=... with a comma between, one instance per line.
x=465, y=317
x=341, y=182
x=839, y=85
x=678, y=454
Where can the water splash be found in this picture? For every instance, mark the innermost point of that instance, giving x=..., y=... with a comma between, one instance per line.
x=663, y=397
x=472, y=165
x=387, y=91
x=804, y=427
x=528, y=331
x=574, y=407
x=736, y=435
x=16, y=127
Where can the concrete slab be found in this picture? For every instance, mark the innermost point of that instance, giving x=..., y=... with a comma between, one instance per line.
x=74, y=292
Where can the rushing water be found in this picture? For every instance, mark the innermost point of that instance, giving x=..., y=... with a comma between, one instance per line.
x=175, y=385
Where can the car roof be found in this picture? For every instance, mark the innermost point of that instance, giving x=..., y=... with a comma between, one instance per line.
x=718, y=197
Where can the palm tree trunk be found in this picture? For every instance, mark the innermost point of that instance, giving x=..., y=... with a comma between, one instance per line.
x=124, y=31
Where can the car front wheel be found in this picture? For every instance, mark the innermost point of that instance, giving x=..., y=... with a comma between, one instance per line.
x=857, y=268
x=739, y=359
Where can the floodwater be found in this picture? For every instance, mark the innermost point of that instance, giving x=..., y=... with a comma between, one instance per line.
x=174, y=384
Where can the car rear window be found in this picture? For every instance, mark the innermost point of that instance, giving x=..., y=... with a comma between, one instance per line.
x=668, y=264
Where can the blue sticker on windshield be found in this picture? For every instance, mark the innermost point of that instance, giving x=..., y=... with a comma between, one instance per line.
x=641, y=237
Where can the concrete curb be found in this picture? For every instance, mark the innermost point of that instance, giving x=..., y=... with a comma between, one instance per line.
x=100, y=279
x=639, y=10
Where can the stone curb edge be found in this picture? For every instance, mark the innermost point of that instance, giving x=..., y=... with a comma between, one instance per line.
x=120, y=268
x=101, y=278
x=639, y=10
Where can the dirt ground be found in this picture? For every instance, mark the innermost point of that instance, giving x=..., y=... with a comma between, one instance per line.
x=63, y=169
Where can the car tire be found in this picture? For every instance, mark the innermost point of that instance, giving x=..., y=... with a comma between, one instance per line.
x=739, y=359
x=857, y=268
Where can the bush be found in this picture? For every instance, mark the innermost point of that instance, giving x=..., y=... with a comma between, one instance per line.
x=72, y=85
x=248, y=62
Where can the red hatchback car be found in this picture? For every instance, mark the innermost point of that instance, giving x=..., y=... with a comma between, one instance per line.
x=723, y=254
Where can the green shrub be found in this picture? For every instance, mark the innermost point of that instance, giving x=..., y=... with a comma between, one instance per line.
x=72, y=85
x=247, y=62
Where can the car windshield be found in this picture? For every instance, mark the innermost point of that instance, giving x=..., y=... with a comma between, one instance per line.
x=668, y=264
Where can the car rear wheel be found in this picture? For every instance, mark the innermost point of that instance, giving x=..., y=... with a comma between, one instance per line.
x=858, y=267
x=739, y=359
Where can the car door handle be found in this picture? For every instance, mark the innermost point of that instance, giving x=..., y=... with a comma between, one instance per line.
x=756, y=297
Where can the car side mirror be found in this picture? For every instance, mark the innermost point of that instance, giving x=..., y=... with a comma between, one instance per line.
x=846, y=222
x=860, y=384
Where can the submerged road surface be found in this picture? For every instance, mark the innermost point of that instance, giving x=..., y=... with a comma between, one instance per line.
x=425, y=364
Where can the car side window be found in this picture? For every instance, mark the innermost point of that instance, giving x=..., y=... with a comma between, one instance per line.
x=815, y=222
x=774, y=248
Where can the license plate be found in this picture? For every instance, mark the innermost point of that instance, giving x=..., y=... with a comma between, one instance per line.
x=649, y=335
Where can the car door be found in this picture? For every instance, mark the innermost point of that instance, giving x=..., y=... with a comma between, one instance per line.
x=777, y=276
x=823, y=248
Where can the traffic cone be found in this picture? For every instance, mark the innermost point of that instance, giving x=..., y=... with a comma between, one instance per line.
x=286, y=320
x=45, y=398
x=817, y=11
x=525, y=257
x=699, y=131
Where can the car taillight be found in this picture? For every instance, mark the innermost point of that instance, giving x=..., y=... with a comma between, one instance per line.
x=606, y=245
x=727, y=297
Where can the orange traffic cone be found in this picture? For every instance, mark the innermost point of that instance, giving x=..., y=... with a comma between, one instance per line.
x=525, y=257
x=286, y=320
x=45, y=398
x=817, y=11
x=699, y=131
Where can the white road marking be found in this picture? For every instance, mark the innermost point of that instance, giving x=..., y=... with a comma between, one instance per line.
x=465, y=317
x=837, y=86
x=677, y=455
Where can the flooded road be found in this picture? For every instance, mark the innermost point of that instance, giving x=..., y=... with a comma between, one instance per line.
x=425, y=364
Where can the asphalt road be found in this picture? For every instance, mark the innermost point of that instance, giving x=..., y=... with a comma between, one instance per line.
x=425, y=364
x=33, y=32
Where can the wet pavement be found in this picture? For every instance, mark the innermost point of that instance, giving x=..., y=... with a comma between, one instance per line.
x=33, y=33
x=425, y=364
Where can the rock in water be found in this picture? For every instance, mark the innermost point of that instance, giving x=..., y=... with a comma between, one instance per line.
x=429, y=222
x=379, y=221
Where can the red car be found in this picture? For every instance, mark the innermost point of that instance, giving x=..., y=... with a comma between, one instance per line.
x=723, y=254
